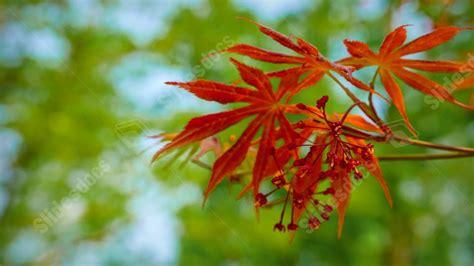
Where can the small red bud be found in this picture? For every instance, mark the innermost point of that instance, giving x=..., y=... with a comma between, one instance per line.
x=278, y=181
x=300, y=124
x=298, y=201
x=260, y=200
x=292, y=227
x=328, y=208
x=328, y=191
x=321, y=103
x=314, y=223
x=301, y=106
x=325, y=216
x=279, y=227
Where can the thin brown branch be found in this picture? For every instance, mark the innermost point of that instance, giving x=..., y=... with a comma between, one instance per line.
x=362, y=106
x=430, y=145
x=424, y=156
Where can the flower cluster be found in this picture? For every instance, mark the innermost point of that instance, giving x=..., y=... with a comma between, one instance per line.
x=334, y=157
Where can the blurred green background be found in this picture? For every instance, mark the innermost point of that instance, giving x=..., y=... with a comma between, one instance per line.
x=81, y=86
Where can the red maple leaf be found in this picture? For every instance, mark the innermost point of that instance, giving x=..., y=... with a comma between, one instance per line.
x=264, y=104
x=390, y=62
x=311, y=61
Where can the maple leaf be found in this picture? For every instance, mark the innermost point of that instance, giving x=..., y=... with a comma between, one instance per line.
x=390, y=61
x=311, y=61
x=466, y=83
x=263, y=104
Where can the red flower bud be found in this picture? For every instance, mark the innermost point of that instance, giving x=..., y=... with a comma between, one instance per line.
x=300, y=124
x=298, y=201
x=278, y=181
x=325, y=216
x=279, y=227
x=328, y=191
x=321, y=103
x=292, y=227
x=301, y=106
x=313, y=223
x=328, y=208
x=260, y=200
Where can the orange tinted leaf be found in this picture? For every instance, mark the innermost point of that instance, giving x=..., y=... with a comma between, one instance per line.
x=313, y=78
x=396, y=95
x=466, y=83
x=431, y=66
x=428, y=86
x=280, y=38
x=343, y=187
x=219, y=92
x=394, y=39
x=429, y=41
x=263, y=155
x=374, y=168
x=234, y=156
x=255, y=77
x=356, y=63
x=389, y=59
x=204, y=126
x=358, y=49
x=290, y=71
x=287, y=132
x=264, y=55
x=288, y=81
x=309, y=48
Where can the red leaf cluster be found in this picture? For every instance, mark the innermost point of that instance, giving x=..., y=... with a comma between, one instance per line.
x=314, y=163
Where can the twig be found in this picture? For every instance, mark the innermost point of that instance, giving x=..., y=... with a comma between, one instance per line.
x=433, y=145
x=423, y=156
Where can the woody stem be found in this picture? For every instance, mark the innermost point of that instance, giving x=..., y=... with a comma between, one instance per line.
x=433, y=145
x=359, y=134
x=369, y=113
x=376, y=118
x=422, y=156
x=372, y=82
x=346, y=90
